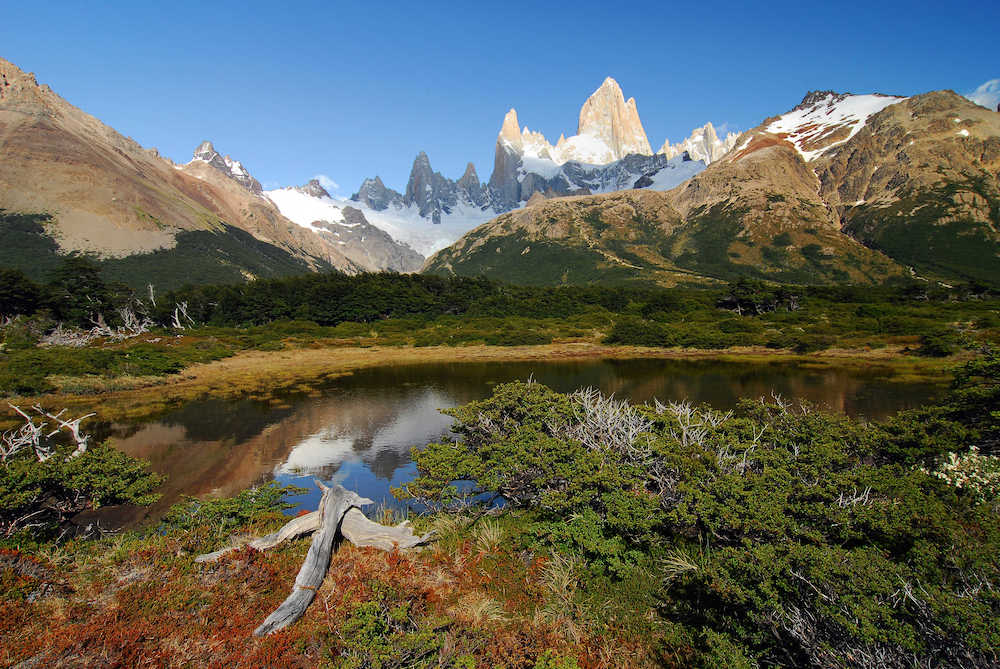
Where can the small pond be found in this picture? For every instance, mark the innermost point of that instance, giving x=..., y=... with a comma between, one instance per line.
x=359, y=429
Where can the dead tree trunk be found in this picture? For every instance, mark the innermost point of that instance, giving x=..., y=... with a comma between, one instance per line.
x=332, y=506
x=338, y=510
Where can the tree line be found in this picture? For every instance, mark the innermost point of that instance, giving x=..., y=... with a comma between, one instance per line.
x=77, y=294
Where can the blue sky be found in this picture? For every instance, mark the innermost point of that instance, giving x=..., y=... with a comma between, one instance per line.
x=356, y=89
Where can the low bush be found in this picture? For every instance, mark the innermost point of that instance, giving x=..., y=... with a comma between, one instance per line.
x=780, y=535
x=42, y=488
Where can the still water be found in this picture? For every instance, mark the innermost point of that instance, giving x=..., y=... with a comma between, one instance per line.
x=359, y=430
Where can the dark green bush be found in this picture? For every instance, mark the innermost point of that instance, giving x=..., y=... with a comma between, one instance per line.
x=638, y=332
x=938, y=344
x=781, y=536
x=37, y=498
x=810, y=343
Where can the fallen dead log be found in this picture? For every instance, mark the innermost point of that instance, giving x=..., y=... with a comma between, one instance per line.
x=355, y=527
x=332, y=506
x=338, y=514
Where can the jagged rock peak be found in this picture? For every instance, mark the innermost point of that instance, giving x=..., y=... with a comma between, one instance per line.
x=511, y=129
x=232, y=168
x=205, y=151
x=469, y=177
x=314, y=188
x=608, y=116
x=608, y=129
x=374, y=195
x=13, y=78
x=703, y=144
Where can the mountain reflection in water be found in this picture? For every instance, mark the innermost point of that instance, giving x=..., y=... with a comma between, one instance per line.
x=359, y=429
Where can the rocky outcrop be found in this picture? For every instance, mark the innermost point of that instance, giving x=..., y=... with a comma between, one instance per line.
x=227, y=166
x=368, y=246
x=314, y=189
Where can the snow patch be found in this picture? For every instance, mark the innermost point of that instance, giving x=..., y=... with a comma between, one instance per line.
x=803, y=125
x=540, y=166
x=302, y=209
x=404, y=224
x=674, y=174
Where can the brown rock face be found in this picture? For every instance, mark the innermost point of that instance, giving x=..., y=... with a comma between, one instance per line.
x=109, y=196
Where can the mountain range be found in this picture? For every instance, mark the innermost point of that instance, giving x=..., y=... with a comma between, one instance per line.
x=854, y=188
x=610, y=152
x=843, y=188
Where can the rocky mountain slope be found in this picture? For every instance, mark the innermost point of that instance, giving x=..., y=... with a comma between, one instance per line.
x=610, y=152
x=367, y=246
x=93, y=191
x=842, y=188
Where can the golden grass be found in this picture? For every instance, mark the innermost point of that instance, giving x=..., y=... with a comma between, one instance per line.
x=264, y=374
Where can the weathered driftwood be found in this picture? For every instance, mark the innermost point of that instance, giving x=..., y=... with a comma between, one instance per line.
x=334, y=503
x=355, y=527
x=338, y=513
x=294, y=528
x=360, y=531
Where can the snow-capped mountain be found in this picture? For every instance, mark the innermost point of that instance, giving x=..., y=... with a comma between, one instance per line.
x=826, y=119
x=608, y=130
x=610, y=152
x=704, y=144
x=841, y=189
x=381, y=228
x=346, y=226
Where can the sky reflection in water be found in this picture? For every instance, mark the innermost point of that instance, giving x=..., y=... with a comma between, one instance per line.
x=359, y=430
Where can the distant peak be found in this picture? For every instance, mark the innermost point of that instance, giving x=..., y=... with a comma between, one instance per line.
x=205, y=151
x=607, y=116
x=815, y=97
x=314, y=188
x=422, y=160
x=609, y=82
x=511, y=129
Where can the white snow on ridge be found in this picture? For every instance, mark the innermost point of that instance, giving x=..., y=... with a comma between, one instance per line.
x=404, y=224
x=302, y=209
x=543, y=167
x=586, y=148
x=676, y=173
x=804, y=125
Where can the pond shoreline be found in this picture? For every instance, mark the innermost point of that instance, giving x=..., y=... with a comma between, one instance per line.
x=263, y=374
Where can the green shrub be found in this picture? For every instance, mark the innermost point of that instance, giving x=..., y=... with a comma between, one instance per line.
x=810, y=343
x=517, y=338
x=383, y=633
x=638, y=332
x=229, y=513
x=37, y=498
x=786, y=536
x=938, y=344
